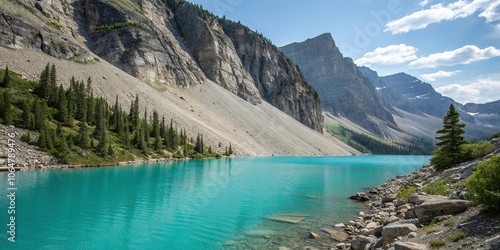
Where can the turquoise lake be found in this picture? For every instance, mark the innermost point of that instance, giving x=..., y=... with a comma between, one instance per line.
x=209, y=204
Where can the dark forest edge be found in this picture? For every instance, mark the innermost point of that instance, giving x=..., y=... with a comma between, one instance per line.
x=79, y=128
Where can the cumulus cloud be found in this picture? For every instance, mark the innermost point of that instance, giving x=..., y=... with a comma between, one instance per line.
x=444, y=12
x=440, y=74
x=481, y=91
x=424, y=3
x=390, y=55
x=464, y=55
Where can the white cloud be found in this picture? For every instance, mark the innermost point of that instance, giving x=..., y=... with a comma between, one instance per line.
x=424, y=3
x=440, y=12
x=464, y=55
x=492, y=12
x=440, y=74
x=481, y=91
x=390, y=55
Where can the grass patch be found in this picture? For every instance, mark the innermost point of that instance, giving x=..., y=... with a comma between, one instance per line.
x=437, y=243
x=448, y=223
x=456, y=236
x=437, y=187
x=116, y=26
x=405, y=193
x=431, y=230
x=56, y=26
x=128, y=4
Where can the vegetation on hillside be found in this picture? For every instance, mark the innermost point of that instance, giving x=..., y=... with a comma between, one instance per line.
x=452, y=147
x=370, y=144
x=79, y=128
x=483, y=185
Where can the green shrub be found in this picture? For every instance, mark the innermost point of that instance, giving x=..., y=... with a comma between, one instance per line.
x=437, y=187
x=405, y=193
x=471, y=151
x=456, y=236
x=449, y=223
x=483, y=184
x=437, y=243
x=441, y=160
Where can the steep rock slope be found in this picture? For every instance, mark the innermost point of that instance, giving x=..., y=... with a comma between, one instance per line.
x=342, y=88
x=215, y=52
x=279, y=81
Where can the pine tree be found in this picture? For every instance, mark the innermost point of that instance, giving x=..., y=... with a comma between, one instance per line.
x=134, y=114
x=53, y=94
x=230, y=151
x=84, y=140
x=448, y=152
x=43, y=89
x=7, y=108
x=156, y=130
x=145, y=126
x=103, y=138
x=6, y=78
x=63, y=116
x=26, y=115
x=90, y=102
x=40, y=113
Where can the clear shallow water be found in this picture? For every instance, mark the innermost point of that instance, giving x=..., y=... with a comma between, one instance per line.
x=209, y=204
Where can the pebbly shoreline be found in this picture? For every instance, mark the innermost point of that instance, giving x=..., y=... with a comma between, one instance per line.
x=392, y=223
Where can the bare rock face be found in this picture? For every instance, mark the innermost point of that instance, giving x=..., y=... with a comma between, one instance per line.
x=215, y=52
x=141, y=40
x=21, y=28
x=409, y=246
x=278, y=80
x=342, y=87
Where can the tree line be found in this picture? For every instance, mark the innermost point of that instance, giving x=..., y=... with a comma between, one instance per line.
x=73, y=122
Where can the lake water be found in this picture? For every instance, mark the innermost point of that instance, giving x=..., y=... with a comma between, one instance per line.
x=210, y=204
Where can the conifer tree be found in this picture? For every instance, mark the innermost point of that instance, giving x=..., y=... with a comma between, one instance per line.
x=103, y=138
x=7, y=108
x=230, y=152
x=145, y=126
x=84, y=140
x=448, y=152
x=53, y=94
x=156, y=130
x=40, y=113
x=63, y=116
x=43, y=89
x=6, y=78
x=134, y=114
x=26, y=115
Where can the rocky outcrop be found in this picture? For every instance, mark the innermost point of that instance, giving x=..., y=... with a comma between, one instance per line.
x=215, y=53
x=278, y=80
x=21, y=28
x=433, y=208
x=409, y=246
x=343, y=90
x=140, y=39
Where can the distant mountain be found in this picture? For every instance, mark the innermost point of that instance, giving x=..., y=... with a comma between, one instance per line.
x=421, y=95
x=487, y=114
x=342, y=88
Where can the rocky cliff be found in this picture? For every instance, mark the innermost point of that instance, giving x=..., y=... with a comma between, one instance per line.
x=279, y=81
x=342, y=88
x=164, y=43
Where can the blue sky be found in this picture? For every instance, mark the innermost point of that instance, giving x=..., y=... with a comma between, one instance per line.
x=454, y=45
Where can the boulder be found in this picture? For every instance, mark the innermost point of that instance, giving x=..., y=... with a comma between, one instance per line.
x=437, y=207
x=493, y=243
x=420, y=198
x=313, y=235
x=390, y=232
x=389, y=198
x=409, y=246
x=360, y=196
x=336, y=234
x=360, y=242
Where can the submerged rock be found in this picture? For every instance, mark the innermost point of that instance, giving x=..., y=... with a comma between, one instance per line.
x=336, y=234
x=290, y=218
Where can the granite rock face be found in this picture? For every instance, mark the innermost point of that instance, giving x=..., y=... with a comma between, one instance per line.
x=279, y=81
x=215, y=53
x=342, y=88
